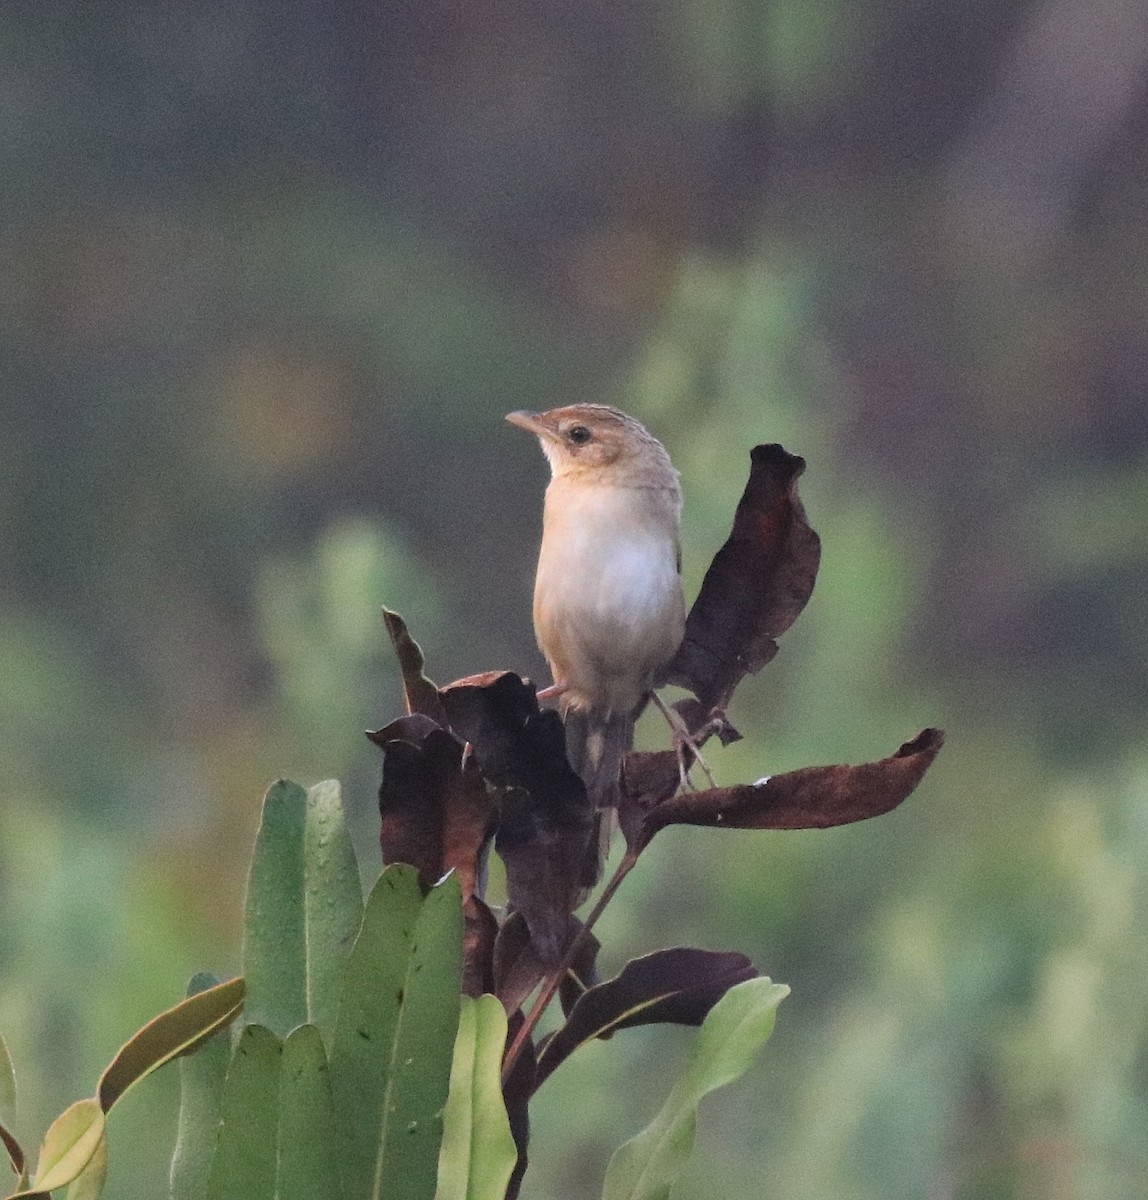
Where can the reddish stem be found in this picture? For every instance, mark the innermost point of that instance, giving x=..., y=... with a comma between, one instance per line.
x=554, y=979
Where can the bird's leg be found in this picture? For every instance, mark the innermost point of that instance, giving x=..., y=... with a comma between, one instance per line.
x=683, y=741
x=551, y=692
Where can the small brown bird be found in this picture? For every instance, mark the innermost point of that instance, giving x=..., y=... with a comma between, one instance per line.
x=608, y=605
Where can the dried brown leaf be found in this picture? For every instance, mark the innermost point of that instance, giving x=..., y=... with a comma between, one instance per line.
x=809, y=798
x=677, y=986
x=518, y=969
x=480, y=929
x=436, y=813
x=545, y=853
x=516, y=743
x=546, y=826
x=755, y=588
x=420, y=693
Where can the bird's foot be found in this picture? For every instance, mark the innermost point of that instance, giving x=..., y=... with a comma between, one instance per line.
x=552, y=692
x=687, y=746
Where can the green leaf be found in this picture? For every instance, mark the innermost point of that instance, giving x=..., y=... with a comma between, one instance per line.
x=308, y=1169
x=304, y=905
x=7, y=1086
x=169, y=1035
x=478, y=1152
x=332, y=903
x=273, y=961
x=390, y=1067
x=244, y=1164
x=12, y=1147
x=730, y=1037
x=89, y=1184
x=69, y=1145
x=201, y=1076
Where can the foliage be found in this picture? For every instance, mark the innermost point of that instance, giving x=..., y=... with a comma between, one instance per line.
x=349, y=1056
x=646, y=1167
x=74, y=1150
x=277, y=277
x=348, y=1097
x=477, y=762
x=478, y=1150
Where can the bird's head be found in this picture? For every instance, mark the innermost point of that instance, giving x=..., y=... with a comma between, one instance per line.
x=594, y=441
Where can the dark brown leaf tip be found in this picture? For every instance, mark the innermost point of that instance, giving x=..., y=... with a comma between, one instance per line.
x=755, y=588
x=419, y=692
x=809, y=798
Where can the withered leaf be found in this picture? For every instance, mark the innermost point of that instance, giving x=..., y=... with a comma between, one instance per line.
x=649, y=778
x=480, y=928
x=516, y=1093
x=420, y=693
x=518, y=969
x=755, y=588
x=515, y=742
x=583, y=972
x=546, y=828
x=437, y=814
x=677, y=986
x=809, y=798
x=545, y=853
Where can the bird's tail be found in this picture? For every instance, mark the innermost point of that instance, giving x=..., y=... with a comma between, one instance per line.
x=596, y=741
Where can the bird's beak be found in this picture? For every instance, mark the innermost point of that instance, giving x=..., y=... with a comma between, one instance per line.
x=532, y=422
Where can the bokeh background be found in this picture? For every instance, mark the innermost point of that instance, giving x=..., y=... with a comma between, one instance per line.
x=271, y=277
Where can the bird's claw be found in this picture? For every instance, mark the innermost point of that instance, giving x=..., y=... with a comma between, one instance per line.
x=687, y=746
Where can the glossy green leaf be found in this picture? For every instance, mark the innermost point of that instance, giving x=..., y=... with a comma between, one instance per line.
x=730, y=1037
x=89, y=1184
x=244, y=1163
x=390, y=1068
x=307, y=1163
x=332, y=903
x=69, y=1145
x=201, y=1076
x=478, y=1152
x=273, y=960
x=169, y=1035
x=304, y=905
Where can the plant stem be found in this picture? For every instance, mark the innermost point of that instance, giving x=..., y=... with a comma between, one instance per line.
x=554, y=980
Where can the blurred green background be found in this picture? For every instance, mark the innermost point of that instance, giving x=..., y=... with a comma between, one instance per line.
x=271, y=277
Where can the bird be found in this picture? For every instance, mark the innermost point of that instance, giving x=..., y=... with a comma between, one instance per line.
x=609, y=612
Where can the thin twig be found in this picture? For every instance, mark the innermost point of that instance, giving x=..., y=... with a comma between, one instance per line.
x=554, y=979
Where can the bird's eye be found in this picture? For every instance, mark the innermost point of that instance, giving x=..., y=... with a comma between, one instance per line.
x=579, y=435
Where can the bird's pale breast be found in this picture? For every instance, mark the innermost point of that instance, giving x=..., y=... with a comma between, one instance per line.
x=608, y=605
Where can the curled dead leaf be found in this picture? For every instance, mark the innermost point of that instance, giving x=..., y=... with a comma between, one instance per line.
x=420, y=693
x=809, y=798
x=546, y=827
x=755, y=588
x=436, y=813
